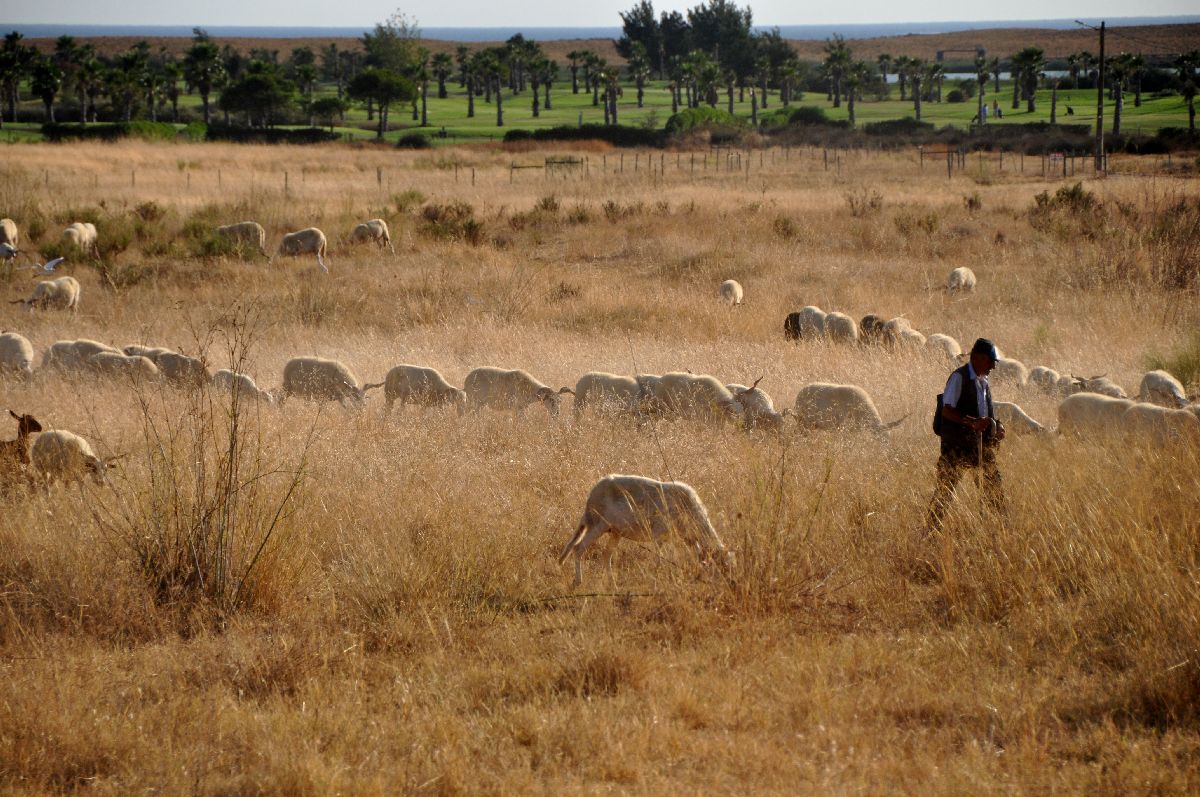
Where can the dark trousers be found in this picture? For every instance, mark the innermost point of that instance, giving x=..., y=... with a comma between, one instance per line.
x=950, y=468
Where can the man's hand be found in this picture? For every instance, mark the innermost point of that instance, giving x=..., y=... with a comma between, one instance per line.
x=998, y=435
x=980, y=425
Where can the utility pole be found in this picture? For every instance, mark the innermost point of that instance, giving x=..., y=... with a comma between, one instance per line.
x=1100, y=107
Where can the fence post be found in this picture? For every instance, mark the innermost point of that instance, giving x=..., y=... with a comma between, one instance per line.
x=285, y=181
x=133, y=178
x=379, y=175
x=825, y=155
x=921, y=155
x=949, y=165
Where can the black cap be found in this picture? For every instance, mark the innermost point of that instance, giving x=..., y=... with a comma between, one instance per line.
x=986, y=347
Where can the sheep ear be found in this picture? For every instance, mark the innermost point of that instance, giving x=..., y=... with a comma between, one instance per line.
x=567, y=390
x=18, y=417
x=756, y=381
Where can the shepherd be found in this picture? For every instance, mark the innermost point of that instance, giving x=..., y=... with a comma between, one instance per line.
x=970, y=433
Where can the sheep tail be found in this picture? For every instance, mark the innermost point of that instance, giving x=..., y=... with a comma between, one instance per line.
x=895, y=423
x=571, y=543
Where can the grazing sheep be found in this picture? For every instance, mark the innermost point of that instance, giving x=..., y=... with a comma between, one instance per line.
x=62, y=455
x=250, y=233
x=1099, y=384
x=14, y=454
x=944, y=345
x=1047, y=379
x=822, y=405
x=1016, y=420
x=16, y=355
x=808, y=322
x=961, y=279
x=115, y=364
x=1161, y=425
x=318, y=379
x=9, y=233
x=374, y=230
x=871, y=329
x=57, y=294
x=73, y=355
x=639, y=508
x=149, y=352
x=758, y=410
x=509, y=391
x=841, y=328
x=1009, y=371
x=731, y=292
x=685, y=395
x=1159, y=387
x=1091, y=414
x=898, y=332
x=304, y=242
x=8, y=251
x=240, y=385
x=81, y=235
x=604, y=392
x=413, y=384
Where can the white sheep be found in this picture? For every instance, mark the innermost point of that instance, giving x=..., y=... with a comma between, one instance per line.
x=73, y=355
x=16, y=355
x=509, y=391
x=57, y=294
x=181, y=370
x=841, y=328
x=822, y=405
x=133, y=367
x=899, y=332
x=1009, y=371
x=374, y=230
x=731, y=292
x=318, y=379
x=242, y=386
x=604, y=392
x=1161, y=425
x=961, y=279
x=304, y=242
x=1047, y=379
x=685, y=395
x=149, y=352
x=1016, y=420
x=1159, y=387
x=807, y=322
x=9, y=233
x=62, y=455
x=639, y=508
x=414, y=384
x=249, y=233
x=1091, y=414
x=1099, y=384
x=758, y=409
x=944, y=345
x=81, y=235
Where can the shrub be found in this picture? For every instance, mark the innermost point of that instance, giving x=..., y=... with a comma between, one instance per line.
x=956, y=95
x=617, y=135
x=897, y=127
x=271, y=135
x=195, y=131
x=701, y=118
x=408, y=199
x=864, y=203
x=452, y=221
x=413, y=141
x=1183, y=363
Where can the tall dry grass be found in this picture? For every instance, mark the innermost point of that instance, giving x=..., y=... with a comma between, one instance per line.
x=307, y=600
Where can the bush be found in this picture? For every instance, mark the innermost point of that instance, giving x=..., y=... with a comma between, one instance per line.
x=897, y=127
x=453, y=221
x=413, y=141
x=701, y=118
x=195, y=131
x=270, y=135
x=617, y=135
x=956, y=95
x=160, y=131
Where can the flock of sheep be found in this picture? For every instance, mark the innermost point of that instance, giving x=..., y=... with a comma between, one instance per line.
x=623, y=506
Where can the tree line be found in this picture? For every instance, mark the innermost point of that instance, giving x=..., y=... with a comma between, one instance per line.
x=708, y=51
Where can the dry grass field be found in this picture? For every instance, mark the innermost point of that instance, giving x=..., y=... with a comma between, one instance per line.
x=312, y=600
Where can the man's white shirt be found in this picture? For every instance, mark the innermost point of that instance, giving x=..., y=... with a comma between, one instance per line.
x=954, y=387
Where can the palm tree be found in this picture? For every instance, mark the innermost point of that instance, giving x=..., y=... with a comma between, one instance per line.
x=916, y=70
x=1137, y=67
x=549, y=75
x=1185, y=67
x=16, y=60
x=837, y=61
x=857, y=76
x=934, y=74
x=981, y=77
x=44, y=81
x=1027, y=66
x=639, y=69
x=462, y=56
x=537, y=68
x=442, y=66
x=612, y=81
x=901, y=65
x=203, y=69
x=1118, y=72
x=885, y=64
x=994, y=68
x=574, y=59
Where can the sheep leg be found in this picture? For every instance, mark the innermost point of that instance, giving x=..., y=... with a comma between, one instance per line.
x=590, y=536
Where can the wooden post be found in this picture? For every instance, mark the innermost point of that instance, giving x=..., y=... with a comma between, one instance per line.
x=472, y=175
x=456, y=172
x=218, y=178
x=285, y=181
x=133, y=178
x=189, y=179
x=921, y=155
x=949, y=164
x=825, y=155
x=379, y=175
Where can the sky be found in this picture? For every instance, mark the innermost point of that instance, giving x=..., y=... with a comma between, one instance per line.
x=534, y=13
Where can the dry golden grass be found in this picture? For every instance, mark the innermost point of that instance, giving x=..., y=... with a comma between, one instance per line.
x=406, y=627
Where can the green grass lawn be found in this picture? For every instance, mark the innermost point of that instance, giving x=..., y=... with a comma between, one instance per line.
x=573, y=109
